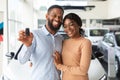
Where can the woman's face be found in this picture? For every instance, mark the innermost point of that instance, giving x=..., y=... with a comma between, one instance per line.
x=71, y=28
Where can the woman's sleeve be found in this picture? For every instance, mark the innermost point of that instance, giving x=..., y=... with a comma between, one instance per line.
x=82, y=69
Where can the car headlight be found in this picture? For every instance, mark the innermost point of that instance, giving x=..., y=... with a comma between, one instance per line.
x=104, y=77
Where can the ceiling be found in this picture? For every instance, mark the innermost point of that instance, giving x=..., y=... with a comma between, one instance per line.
x=81, y=0
x=112, y=21
x=45, y=3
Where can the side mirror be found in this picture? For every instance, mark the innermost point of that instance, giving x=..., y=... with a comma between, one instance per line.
x=112, y=45
x=98, y=54
x=10, y=55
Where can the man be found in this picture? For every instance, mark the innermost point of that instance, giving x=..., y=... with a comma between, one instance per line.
x=41, y=44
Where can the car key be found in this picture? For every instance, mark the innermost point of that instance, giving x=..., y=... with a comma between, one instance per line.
x=27, y=32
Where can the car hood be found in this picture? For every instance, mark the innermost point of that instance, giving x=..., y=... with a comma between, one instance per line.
x=96, y=70
x=95, y=40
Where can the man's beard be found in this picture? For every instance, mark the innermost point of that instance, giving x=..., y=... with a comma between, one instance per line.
x=52, y=27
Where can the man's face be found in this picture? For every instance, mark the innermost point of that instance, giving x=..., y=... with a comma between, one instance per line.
x=54, y=18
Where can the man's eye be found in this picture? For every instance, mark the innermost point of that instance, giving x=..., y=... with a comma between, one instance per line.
x=53, y=15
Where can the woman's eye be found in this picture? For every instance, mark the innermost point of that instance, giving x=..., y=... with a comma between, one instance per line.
x=71, y=24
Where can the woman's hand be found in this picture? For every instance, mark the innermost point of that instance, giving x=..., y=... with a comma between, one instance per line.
x=57, y=58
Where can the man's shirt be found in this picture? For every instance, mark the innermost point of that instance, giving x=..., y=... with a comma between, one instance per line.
x=40, y=53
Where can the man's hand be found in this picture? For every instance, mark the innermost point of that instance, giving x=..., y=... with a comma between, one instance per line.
x=26, y=40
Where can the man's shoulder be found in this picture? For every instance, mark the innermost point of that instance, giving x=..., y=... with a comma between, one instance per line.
x=38, y=29
x=37, y=32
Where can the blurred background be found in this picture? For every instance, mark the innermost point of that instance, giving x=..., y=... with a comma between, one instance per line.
x=101, y=23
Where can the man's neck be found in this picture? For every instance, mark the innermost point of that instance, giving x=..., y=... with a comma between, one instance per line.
x=49, y=30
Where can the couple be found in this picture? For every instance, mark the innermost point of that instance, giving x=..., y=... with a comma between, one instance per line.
x=45, y=48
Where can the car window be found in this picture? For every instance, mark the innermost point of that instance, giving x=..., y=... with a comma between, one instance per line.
x=117, y=37
x=111, y=39
x=98, y=32
x=86, y=33
x=105, y=38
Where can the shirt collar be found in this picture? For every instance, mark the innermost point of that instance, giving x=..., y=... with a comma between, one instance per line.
x=47, y=32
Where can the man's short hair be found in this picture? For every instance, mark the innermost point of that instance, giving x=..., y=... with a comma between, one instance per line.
x=55, y=6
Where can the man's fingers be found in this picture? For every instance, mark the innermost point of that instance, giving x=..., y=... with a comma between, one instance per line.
x=21, y=35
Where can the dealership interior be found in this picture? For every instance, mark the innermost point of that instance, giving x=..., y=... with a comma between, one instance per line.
x=98, y=16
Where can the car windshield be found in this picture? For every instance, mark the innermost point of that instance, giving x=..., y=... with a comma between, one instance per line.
x=117, y=36
x=98, y=32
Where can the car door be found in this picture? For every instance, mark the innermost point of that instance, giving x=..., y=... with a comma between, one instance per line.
x=108, y=42
x=103, y=46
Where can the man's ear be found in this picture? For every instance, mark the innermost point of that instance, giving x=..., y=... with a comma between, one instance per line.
x=47, y=16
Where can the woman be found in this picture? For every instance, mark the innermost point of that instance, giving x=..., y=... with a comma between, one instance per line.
x=76, y=53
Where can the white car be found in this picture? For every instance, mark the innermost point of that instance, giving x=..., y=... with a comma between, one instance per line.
x=111, y=43
x=96, y=70
x=95, y=34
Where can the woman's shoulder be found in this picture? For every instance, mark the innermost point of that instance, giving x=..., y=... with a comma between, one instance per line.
x=85, y=41
x=65, y=40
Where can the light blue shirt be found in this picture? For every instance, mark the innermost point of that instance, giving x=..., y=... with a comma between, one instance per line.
x=41, y=54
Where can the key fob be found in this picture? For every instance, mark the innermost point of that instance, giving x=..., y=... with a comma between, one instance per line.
x=27, y=32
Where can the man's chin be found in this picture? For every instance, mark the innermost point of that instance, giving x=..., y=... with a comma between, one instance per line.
x=56, y=27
